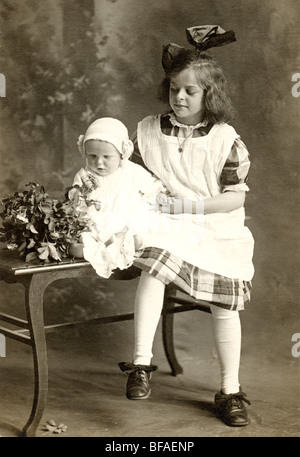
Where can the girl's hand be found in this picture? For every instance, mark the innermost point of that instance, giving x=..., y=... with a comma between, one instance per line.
x=170, y=205
x=179, y=205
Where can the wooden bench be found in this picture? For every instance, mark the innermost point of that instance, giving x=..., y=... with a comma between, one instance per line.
x=35, y=279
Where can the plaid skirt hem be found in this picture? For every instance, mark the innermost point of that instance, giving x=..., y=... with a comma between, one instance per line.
x=232, y=294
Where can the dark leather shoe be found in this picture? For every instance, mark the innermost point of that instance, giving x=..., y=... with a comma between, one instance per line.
x=231, y=409
x=138, y=387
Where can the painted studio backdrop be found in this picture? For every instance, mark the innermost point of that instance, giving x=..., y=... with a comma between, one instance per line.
x=68, y=62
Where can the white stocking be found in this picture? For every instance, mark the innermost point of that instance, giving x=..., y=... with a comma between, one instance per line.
x=147, y=311
x=227, y=333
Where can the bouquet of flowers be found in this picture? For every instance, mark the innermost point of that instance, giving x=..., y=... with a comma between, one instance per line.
x=41, y=228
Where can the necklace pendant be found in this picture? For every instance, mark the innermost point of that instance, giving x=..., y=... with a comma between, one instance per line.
x=180, y=149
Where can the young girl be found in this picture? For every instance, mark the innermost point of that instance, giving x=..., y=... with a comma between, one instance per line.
x=120, y=195
x=199, y=157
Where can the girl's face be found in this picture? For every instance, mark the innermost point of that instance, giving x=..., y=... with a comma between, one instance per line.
x=186, y=98
x=102, y=158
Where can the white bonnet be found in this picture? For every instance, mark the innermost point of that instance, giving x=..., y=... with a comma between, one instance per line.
x=110, y=130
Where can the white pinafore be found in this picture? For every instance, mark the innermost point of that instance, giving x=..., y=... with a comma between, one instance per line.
x=219, y=242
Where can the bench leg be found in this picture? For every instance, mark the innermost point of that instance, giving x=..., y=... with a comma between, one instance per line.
x=168, y=336
x=34, y=294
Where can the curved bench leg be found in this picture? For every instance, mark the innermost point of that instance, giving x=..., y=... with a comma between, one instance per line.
x=168, y=335
x=35, y=287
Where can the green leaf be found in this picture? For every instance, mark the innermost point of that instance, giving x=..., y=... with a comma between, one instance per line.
x=43, y=253
x=31, y=243
x=32, y=229
x=22, y=246
x=53, y=252
x=46, y=208
x=31, y=256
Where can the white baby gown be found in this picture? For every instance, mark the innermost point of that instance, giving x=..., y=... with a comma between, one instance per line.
x=124, y=200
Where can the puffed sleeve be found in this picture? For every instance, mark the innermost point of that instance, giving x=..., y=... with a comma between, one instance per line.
x=235, y=171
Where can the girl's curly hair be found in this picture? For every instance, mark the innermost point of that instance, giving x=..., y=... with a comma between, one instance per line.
x=210, y=77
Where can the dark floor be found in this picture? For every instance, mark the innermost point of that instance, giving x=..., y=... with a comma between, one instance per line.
x=87, y=390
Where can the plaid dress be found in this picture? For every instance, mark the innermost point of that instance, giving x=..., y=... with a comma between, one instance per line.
x=228, y=293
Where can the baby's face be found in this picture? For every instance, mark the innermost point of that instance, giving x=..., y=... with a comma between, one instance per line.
x=102, y=158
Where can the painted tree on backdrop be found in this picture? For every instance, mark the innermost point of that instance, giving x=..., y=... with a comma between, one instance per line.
x=55, y=71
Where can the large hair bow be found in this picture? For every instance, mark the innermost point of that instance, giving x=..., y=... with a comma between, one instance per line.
x=202, y=37
x=208, y=36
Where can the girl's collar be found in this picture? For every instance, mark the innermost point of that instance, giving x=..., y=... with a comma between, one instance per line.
x=175, y=123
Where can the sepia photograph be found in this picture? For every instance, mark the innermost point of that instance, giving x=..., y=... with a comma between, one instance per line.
x=149, y=221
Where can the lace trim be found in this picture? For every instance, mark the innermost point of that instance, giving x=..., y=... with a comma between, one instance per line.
x=175, y=123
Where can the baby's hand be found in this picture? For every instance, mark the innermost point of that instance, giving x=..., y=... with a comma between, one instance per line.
x=88, y=183
x=73, y=193
x=88, y=180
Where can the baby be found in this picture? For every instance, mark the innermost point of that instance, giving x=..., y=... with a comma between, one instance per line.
x=122, y=194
